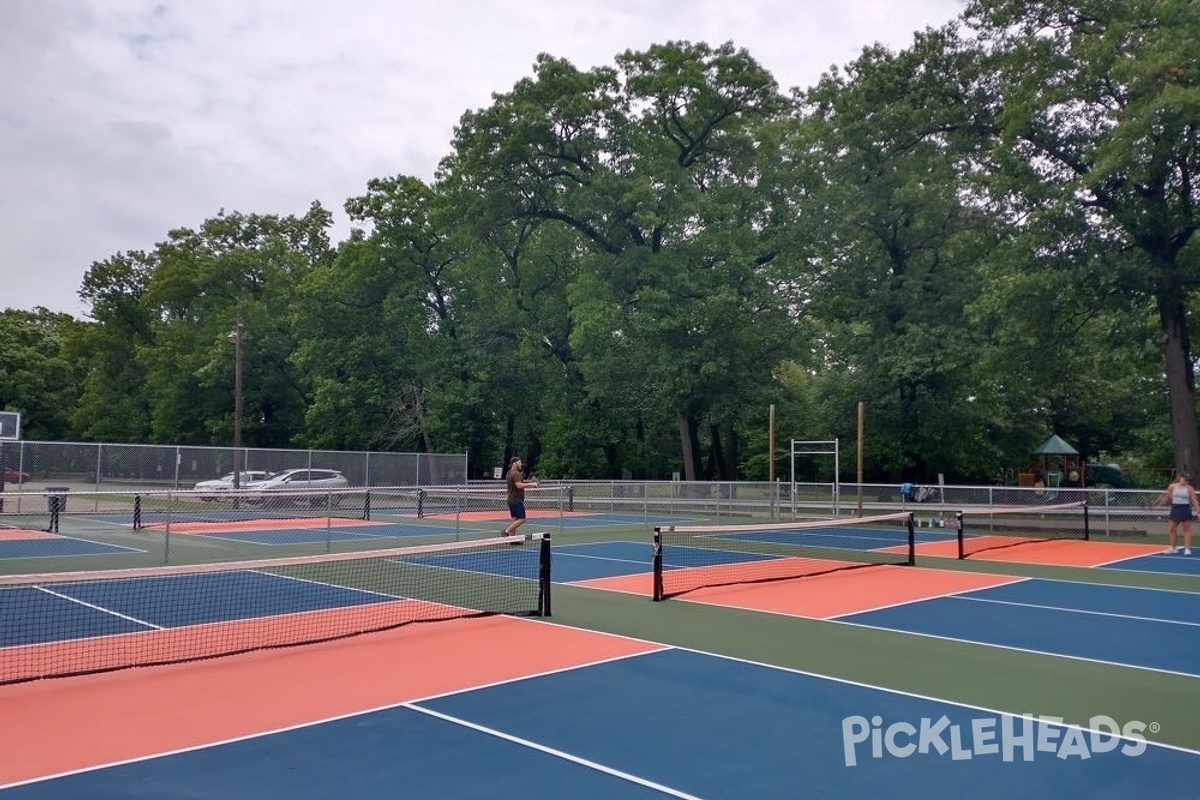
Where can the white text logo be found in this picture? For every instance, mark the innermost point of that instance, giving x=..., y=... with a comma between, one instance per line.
x=1010, y=738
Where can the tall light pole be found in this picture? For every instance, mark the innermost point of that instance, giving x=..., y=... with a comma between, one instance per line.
x=236, y=338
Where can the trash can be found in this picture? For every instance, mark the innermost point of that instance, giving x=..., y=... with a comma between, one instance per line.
x=57, y=500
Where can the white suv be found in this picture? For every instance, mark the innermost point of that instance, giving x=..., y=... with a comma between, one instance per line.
x=302, y=484
x=212, y=490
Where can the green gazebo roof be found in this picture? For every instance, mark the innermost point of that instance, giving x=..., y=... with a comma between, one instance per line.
x=1055, y=446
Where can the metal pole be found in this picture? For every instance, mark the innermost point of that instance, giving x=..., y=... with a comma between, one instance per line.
x=237, y=404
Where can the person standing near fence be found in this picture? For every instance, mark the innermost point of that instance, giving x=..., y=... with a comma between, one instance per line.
x=516, y=495
x=1184, y=505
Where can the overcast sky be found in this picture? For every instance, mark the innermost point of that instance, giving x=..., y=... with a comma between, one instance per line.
x=123, y=119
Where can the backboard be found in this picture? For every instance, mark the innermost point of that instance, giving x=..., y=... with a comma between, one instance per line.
x=10, y=426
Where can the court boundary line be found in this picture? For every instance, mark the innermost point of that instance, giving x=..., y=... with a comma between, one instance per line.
x=1014, y=648
x=1109, y=565
x=564, y=551
x=233, y=537
x=112, y=612
x=74, y=538
x=1015, y=580
x=1105, y=585
x=551, y=751
x=1078, y=611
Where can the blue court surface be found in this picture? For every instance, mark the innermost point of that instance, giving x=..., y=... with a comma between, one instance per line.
x=1169, y=563
x=58, y=546
x=671, y=723
x=583, y=562
x=1148, y=628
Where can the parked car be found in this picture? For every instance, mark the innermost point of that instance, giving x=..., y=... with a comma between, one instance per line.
x=301, y=484
x=16, y=476
x=213, y=489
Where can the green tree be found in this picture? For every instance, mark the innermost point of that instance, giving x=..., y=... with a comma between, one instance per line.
x=663, y=171
x=1096, y=112
x=38, y=377
x=896, y=254
x=113, y=404
x=176, y=307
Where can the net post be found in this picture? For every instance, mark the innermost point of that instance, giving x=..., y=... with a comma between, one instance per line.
x=1087, y=535
x=962, y=550
x=420, y=502
x=658, y=565
x=912, y=541
x=367, y=505
x=137, y=512
x=544, y=581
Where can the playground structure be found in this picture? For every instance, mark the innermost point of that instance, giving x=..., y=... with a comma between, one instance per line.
x=1059, y=465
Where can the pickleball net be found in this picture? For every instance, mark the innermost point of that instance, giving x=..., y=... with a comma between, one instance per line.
x=687, y=558
x=993, y=528
x=63, y=624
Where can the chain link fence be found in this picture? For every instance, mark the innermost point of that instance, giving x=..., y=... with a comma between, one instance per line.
x=60, y=514
x=38, y=466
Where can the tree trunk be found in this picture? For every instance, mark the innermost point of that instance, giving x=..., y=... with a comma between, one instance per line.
x=717, y=462
x=688, y=448
x=1181, y=381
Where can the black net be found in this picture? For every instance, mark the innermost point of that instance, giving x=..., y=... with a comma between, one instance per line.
x=687, y=558
x=980, y=530
x=74, y=623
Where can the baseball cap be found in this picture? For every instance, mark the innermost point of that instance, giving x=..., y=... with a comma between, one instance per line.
x=513, y=460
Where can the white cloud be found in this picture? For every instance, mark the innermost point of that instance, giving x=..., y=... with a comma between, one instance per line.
x=123, y=119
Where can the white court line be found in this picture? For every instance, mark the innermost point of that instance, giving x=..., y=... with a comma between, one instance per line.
x=101, y=609
x=645, y=563
x=1013, y=648
x=541, y=748
x=1079, y=611
x=1010, y=582
x=1163, y=556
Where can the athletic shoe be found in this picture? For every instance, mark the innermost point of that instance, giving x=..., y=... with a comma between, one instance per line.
x=1167, y=552
x=1187, y=552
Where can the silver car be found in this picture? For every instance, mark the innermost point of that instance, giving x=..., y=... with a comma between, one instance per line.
x=301, y=484
x=213, y=489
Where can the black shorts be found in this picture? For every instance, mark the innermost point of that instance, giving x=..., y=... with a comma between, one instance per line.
x=1181, y=512
x=516, y=510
